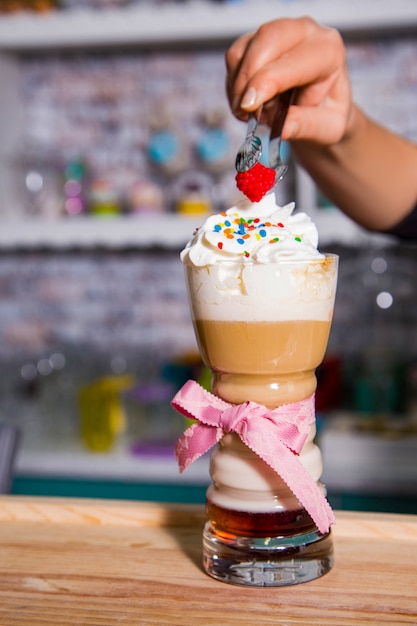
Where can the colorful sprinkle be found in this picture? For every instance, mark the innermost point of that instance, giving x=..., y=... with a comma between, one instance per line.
x=297, y=238
x=242, y=231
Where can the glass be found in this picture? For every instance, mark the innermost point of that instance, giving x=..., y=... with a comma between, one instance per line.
x=262, y=329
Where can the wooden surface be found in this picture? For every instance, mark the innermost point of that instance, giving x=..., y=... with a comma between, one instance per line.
x=89, y=562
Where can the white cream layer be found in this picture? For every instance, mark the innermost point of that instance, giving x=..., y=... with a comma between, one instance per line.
x=235, y=291
x=242, y=481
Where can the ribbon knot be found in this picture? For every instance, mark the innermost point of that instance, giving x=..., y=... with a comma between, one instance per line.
x=231, y=418
x=277, y=436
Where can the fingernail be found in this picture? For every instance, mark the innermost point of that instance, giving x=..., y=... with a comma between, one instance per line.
x=249, y=98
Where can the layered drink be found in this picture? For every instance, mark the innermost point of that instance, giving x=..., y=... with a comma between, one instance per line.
x=261, y=297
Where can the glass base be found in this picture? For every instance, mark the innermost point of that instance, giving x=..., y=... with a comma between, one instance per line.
x=266, y=561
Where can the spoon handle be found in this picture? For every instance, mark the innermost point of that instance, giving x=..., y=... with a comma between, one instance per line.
x=252, y=125
x=275, y=162
x=284, y=102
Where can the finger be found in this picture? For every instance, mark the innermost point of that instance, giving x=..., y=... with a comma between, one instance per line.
x=325, y=125
x=268, y=44
x=233, y=59
x=306, y=63
x=325, y=119
x=236, y=51
x=250, y=53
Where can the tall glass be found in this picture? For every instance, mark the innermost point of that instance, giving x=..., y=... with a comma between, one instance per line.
x=262, y=329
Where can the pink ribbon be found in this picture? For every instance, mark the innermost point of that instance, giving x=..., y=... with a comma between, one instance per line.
x=277, y=436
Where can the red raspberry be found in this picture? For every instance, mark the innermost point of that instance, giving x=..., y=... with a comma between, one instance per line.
x=256, y=182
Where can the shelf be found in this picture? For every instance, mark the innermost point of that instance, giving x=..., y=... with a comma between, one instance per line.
x=368, y=462
x=73, y=461
x=354, y=461
x=168, y=231
x=195, y=21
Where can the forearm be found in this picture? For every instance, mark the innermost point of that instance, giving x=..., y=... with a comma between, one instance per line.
x=371, y=174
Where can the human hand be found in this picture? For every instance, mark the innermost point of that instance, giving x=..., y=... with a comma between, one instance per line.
x=289, y=53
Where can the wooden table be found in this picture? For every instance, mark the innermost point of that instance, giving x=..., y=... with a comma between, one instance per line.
x=91, y=562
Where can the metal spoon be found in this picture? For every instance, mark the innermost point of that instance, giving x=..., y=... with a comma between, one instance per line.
x=250, y=151
x=275, y=162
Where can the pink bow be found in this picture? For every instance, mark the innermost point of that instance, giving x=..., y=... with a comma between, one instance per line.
x=277, y=436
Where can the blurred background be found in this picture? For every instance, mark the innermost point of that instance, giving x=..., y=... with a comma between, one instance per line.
x=116, y=140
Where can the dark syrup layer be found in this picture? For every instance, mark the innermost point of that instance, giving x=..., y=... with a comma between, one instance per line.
x=247, y=523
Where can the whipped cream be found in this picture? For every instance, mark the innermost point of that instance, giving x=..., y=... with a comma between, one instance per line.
x=260, y=232
x=236, y=257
